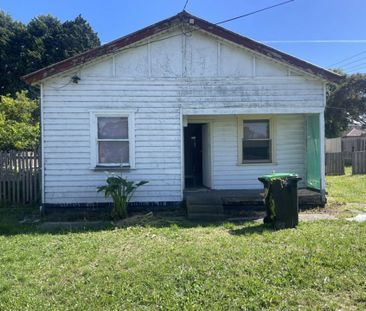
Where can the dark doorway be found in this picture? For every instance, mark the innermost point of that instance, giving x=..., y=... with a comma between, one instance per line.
x=193, y=155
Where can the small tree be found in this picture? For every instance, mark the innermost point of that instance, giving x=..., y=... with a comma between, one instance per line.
x=121, y=191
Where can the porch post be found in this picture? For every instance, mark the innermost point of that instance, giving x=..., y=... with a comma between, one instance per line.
x=322, y=155
x=181, y=122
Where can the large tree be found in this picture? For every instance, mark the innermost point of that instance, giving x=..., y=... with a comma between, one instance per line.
x=346, y=104
x=12, y=36
x=44, y=41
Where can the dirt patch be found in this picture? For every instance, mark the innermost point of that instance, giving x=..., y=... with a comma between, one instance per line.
x=316, y=216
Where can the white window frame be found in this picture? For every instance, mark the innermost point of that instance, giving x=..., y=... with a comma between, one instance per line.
x=272, y=137
x=94, y=115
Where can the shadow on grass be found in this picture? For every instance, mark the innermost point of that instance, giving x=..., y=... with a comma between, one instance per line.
x=256, y=229
x=27, y=220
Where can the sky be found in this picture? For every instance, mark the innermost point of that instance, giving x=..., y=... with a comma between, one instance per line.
x=328, y=33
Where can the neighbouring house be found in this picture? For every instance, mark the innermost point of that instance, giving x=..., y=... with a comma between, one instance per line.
x=353, y=140
x=182, y=103
x=354, y=132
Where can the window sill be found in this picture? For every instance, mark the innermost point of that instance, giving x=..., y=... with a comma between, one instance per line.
x=257, y=163
x=111, y=168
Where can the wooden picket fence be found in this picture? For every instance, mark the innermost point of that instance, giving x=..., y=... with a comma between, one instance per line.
x=359, y=162
x=20, y=177
x=334, y=164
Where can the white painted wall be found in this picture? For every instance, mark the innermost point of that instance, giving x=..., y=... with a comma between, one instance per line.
x=193, y=75
x=288, y=132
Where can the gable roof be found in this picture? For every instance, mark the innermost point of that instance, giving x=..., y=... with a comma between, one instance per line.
x=355, y=132
x=184, y=17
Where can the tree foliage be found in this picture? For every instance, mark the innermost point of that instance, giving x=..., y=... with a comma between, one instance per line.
x=19, y=122
x=43, y=41
x=24, y=49
x=346, y=104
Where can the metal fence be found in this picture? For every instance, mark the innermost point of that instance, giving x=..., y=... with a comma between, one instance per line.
x=359, y=162
x=334, y=164
x=20, y=177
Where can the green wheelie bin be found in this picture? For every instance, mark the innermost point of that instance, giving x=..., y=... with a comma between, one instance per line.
x=281, y=199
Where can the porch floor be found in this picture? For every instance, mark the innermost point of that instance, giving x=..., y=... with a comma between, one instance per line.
x=202, y=202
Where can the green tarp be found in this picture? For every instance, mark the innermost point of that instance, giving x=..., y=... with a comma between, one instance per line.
x=313, y=151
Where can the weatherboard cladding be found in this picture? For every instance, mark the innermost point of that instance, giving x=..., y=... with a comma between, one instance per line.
x=69, y=178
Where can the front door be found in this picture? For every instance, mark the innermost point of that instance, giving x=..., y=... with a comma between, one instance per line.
x=193, y=155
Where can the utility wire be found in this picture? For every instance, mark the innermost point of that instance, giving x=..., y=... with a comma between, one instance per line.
x=338, y=108
x=347, y=64
x=318, y=41
x=348, y=58
x=355, y=66
x=218, y=23
x=185, y=5
x=254, y=12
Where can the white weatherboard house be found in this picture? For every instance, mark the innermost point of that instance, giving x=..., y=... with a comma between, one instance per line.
x=182, y=103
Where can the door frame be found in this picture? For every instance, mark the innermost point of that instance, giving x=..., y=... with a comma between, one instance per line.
x=192, y=120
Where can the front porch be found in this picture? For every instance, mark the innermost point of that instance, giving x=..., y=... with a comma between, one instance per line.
x=248, y=203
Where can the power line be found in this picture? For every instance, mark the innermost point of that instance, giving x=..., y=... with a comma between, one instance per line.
x=218, y=23
x=352, y=62
x=254, y=12
x=348, y=58
x=332, y=107
x=318, y=41
x=185, y=5
x=356, y=66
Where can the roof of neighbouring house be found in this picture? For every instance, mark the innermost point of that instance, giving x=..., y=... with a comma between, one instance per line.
x=355, y=132
x=112, y=47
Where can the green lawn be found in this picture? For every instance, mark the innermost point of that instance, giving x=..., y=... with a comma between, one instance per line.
x=173, y=264
x=347, y=189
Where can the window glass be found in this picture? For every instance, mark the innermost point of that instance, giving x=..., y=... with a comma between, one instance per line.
x=112, y=128
x=256, y=129
x=113, y=151
x=256, y=150
x=257, y=145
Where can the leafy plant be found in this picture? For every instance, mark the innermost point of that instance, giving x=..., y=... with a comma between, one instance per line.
x=120, y=190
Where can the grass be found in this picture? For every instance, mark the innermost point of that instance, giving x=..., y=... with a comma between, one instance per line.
x=347, y=189
x=171, y=263
x=346, y=194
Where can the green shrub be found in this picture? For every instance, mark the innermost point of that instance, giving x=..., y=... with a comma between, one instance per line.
x=121, y=191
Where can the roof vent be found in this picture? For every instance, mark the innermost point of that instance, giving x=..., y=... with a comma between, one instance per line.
x=191, y=21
